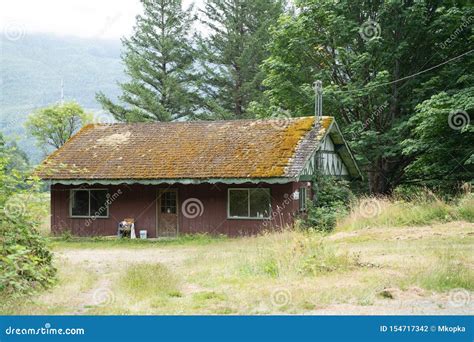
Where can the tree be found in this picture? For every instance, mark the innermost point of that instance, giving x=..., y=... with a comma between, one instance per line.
x=363, y=51
x=55, y=124
x=442, y=139
x=159, y=59
x=232, y=52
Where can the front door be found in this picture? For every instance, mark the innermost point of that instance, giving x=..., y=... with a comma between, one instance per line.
x=167, y=213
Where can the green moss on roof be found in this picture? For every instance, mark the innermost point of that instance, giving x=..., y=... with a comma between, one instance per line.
x=191, y=150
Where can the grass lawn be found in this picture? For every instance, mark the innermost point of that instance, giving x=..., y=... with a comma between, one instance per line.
x=387, y=270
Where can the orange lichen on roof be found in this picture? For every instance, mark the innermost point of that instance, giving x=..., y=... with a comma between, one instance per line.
x=176, y=150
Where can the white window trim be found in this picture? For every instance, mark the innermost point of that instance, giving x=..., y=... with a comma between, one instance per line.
x=71, y=191
x=248, y=204
x=303, y=199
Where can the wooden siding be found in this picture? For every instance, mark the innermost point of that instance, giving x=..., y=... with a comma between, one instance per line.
x=327, y=160
x=139, y=202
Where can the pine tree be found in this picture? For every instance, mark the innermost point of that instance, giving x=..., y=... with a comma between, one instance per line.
x=159, y=59
x=232, y=52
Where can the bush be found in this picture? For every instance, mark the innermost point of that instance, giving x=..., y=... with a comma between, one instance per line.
x=331, y=200
x=25, y=262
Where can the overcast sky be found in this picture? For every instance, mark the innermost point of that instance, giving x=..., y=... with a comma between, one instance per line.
x=104, y=19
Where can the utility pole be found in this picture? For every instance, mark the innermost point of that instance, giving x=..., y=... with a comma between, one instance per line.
x=318, y=101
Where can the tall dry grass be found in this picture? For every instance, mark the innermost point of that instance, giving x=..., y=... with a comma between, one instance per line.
x=370, y=212
x=295, y=253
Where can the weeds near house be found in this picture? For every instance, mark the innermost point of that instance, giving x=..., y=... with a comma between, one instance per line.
x=386, y=212
x=465, y=208
x=69, y=241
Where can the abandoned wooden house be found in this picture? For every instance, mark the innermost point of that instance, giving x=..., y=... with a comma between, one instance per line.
x=221, y=177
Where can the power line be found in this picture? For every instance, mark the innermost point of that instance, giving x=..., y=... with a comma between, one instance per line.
x=406, y=77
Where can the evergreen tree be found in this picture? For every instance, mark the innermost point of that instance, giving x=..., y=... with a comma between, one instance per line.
x=232, y=52
x=159, y=60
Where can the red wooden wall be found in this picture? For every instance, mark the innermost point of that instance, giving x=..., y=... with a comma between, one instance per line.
x=139, y=202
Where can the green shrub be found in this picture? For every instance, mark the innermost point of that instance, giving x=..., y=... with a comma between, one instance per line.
x=331, y=200
x=25, y=262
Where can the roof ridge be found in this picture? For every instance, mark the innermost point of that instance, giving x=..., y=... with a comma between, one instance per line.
x=206, y=121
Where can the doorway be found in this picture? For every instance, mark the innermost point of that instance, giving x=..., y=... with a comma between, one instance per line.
x=167, y=212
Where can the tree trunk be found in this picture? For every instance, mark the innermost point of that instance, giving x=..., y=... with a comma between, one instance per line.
x=378, y=177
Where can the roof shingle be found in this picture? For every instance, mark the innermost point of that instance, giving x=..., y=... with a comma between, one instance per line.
x=191, y=150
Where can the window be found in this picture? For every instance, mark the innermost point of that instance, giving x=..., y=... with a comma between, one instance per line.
x=168, y=202
x=302, y=199
x=249, y=203
x=89, y=203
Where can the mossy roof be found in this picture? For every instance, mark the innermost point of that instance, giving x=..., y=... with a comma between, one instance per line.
x=185, y=150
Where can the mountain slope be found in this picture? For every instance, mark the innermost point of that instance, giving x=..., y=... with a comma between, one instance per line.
x=31, y=70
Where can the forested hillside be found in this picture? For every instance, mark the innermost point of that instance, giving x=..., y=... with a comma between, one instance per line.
x=31, y=70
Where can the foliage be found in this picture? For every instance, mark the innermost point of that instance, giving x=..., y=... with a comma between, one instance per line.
x=361, y=51
x=159, y=60
x=55, y=124
x=441, y=140
x=18, y=159
x=26, y=263
x=231, y=54
x=331, y=199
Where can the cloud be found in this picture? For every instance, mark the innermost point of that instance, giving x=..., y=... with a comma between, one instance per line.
x=105, y=19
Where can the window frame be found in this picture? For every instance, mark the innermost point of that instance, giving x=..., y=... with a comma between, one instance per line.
x=71, y=200
x=229, y=217
x=303, y=199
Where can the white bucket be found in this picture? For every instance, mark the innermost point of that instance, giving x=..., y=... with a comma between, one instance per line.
x=143, y=234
